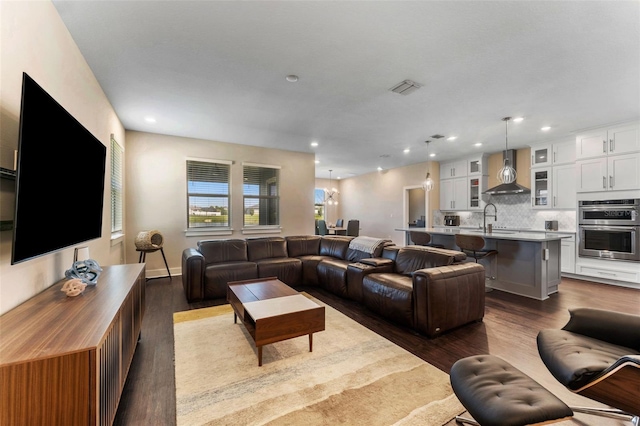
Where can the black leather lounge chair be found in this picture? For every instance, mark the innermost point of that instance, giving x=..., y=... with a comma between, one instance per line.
x=597, y=355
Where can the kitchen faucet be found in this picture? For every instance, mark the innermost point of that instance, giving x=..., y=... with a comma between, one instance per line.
x=484, y=218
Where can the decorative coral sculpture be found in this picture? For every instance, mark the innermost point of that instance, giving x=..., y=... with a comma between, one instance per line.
x=73, y=287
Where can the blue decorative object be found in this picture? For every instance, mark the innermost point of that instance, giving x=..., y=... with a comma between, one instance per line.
x=86, y=270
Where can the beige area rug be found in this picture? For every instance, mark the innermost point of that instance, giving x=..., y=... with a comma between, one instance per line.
x=352, y=377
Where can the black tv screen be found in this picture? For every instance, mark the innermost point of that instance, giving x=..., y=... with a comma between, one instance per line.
x=59, y=180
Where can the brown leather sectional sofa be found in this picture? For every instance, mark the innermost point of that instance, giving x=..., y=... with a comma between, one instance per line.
x=425, y=288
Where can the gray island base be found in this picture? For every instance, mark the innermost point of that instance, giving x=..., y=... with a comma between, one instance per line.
x=527, y=264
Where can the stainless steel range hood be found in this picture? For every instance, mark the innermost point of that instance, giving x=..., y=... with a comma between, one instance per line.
x=508, y=188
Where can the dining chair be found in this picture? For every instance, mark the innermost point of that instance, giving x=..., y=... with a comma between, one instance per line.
x=340, y=223
x=353, y=228
x=322, y=227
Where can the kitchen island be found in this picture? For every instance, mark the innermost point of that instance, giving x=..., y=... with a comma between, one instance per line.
x=527, y=263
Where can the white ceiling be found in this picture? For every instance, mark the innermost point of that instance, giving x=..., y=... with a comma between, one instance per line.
x=216, y=70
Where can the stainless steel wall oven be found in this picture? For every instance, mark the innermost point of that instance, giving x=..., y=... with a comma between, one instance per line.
x=610, y=229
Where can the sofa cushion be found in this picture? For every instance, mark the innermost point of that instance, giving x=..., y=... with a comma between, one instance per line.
x=332, y=275
x=217, y=277
x=286, y=269
x=410, y=259
x=303, y=245
x=219, y=251
x=390, y=295
x=335, y=247
x=266, y=248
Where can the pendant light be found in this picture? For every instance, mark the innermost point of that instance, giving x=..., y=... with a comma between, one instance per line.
x=507, y=174
x=428, y=184
x=331, y=195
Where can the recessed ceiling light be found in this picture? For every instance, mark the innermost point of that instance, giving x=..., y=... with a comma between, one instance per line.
x=545, y=128
x=477, y=144
x=451, y=138
x=317, y=161
x=314, y=143
x=150, y=119
x=379, y=168
x=292, y=78
x=338, y=178
x=407, y=150
x=433, y=154
x=518, y=119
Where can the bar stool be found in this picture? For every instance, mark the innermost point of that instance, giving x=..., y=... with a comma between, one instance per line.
x=148, y=242
x=422, y=239
x=472, y=246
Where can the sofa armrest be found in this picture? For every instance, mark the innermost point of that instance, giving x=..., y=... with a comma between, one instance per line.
x=377, y=261
x=356, y=273
x=612, y=327
x=193, y=265
x=447, y=297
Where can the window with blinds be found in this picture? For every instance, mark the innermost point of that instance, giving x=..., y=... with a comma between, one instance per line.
x=208, y=193
x=117, y=160
x=319, y=203
x=261, y=195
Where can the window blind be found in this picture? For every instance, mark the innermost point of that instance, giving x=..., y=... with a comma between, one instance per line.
x=208, y=192
x=117, y=159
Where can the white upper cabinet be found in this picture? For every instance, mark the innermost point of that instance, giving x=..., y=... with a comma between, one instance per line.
x=541, y=155
x=453, y=169
x=612, y=173
x=608, y=141
x=563, y=181
x=561, y=152
x=564, y=152
x=478, y=166
x=453, y=194
x=609, y=159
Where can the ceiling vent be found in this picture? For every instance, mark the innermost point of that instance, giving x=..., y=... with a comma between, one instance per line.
x=406, y=87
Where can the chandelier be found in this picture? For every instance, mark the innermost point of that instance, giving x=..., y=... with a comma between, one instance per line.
x=331, y=195
x=507, y=174
x=428, y=184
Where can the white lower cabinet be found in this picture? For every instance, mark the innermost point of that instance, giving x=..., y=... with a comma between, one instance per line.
x=568, y=255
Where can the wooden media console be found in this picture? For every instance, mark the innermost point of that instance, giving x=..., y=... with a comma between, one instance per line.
x=64, y=360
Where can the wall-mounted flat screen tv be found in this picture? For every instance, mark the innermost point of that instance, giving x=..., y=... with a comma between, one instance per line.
x=59, y=180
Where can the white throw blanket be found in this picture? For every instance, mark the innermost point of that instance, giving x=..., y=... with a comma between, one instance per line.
x=365, y=244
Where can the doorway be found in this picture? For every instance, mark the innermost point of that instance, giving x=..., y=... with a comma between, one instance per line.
x=416, y=207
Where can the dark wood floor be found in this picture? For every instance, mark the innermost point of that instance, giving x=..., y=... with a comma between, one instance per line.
x=509, y=330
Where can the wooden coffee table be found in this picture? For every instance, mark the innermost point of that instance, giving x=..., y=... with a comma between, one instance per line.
x=271, y=311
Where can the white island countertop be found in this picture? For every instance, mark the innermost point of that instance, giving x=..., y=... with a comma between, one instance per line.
x=495, y=235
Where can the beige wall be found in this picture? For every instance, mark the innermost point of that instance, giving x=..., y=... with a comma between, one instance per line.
x=157, y=191
x=34, y=40
x=377, y=199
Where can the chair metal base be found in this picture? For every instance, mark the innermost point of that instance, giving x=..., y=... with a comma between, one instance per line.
x=143, y=258
x=609, y=412
x=465, y=420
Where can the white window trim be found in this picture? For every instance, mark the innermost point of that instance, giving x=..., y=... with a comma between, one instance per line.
x=265, y=229
x=209, y=160
x=208, y=232
x=267, y=166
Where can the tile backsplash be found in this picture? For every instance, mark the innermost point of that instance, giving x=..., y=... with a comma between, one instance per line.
x=514, y=211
